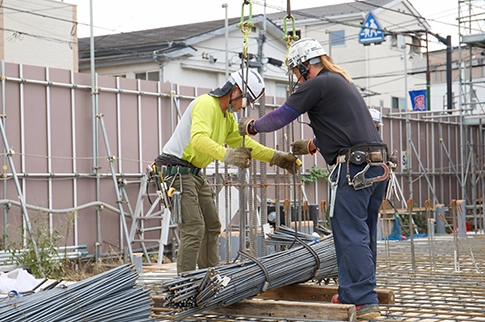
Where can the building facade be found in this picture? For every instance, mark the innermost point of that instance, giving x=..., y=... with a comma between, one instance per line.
x=195, y=54
x=39, y=32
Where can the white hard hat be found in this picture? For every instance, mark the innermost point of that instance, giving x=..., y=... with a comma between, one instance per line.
x=303, y=50
x=376, y=115
x=252, y=83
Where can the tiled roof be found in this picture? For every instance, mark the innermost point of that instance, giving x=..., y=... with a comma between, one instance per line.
x=149, y=38
x=332, y=10
x=145, y=41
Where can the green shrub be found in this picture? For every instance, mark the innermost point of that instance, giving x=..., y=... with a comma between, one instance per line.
x=48, y=263
x=313, y=174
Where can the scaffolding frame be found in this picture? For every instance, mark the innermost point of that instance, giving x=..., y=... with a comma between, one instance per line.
x=437, y=171
x=471, y=107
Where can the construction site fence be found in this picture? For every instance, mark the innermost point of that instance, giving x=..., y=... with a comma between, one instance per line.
x=60, y=159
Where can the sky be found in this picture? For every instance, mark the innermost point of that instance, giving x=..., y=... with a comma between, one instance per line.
x=116, y=16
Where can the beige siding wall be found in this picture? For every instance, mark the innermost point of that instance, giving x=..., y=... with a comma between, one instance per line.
x=40, y=32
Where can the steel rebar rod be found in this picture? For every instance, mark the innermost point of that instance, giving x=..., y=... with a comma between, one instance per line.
x=316, y=260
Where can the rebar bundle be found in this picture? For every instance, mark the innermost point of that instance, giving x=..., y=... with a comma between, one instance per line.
x=201, y=290
x=286, y=236
x=109, y=296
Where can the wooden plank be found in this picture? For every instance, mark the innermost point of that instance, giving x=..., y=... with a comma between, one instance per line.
x=150, y=267
x=303, y=292
x=318, y=293
x=157, y=301
x=290, y=309
x=416, y=210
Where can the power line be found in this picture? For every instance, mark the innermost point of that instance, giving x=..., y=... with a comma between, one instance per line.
x=22, y=33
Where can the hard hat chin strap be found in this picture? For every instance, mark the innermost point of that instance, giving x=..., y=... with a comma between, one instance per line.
x=230, y=107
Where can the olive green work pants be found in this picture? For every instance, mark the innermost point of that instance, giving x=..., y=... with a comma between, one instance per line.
x=200, y=227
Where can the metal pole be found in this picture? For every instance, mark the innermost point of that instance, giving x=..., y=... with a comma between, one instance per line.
x=20, y=194
x=402, y=42
x=262, y=140
x=367, y=73
x=93, y=87
x=94, y=112
x=226, y=26
x=4, y=111
x=428, y=77
x=449, y=90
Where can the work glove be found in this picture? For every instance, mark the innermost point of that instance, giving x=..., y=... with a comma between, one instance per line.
x=301, y=147
x=286, y=161
x=240, y=157
x=246, y=126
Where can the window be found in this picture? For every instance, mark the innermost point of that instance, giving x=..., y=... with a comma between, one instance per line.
x=398, y=103
x=416, y=46
x=395, y=102
x=393, y=41
x=141, y=76
x=281, y=90
x=338, y=37
x=152, y=76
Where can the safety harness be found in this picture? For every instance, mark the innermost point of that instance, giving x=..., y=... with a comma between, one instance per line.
x=374, y=155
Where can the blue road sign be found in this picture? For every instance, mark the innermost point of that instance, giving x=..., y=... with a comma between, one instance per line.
x=371, y=32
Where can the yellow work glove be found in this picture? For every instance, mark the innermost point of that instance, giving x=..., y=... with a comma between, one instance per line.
x=240, y=157
x=285, y=160
x=301, y=147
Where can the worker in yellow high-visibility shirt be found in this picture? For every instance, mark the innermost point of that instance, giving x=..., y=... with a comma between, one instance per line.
x=198, y=140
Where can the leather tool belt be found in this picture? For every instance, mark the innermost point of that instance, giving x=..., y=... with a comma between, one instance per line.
x=368, y=154
x=365, y=153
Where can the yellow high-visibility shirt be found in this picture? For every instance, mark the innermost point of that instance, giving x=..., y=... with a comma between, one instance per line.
x=202, y=131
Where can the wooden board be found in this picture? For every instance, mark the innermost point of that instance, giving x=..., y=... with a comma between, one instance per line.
x=389, y=210
x=151, y=267
x=299, y=301
x=290, y=309
x=318, y=293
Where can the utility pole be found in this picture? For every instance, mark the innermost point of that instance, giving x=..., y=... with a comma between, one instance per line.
x=449, y=50
x=449, y=90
